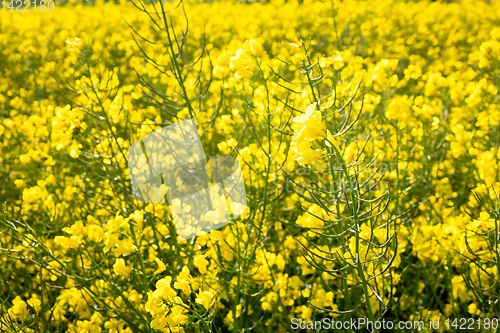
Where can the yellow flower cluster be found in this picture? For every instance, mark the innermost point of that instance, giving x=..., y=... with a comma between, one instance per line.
x=244, y=62
x=308, y=128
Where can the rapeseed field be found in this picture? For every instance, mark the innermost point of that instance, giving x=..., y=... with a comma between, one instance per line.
x=367, y=134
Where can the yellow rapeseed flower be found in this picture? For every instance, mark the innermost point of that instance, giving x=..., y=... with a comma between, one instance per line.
x=120, y=268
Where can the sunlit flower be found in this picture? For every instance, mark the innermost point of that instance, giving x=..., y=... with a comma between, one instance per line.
x=120, y=268
x=310, y=126
x=204, y=298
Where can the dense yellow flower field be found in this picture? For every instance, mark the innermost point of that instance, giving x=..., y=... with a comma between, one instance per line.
x=368, y=137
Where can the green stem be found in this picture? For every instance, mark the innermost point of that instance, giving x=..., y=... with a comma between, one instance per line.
x=358, y=262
